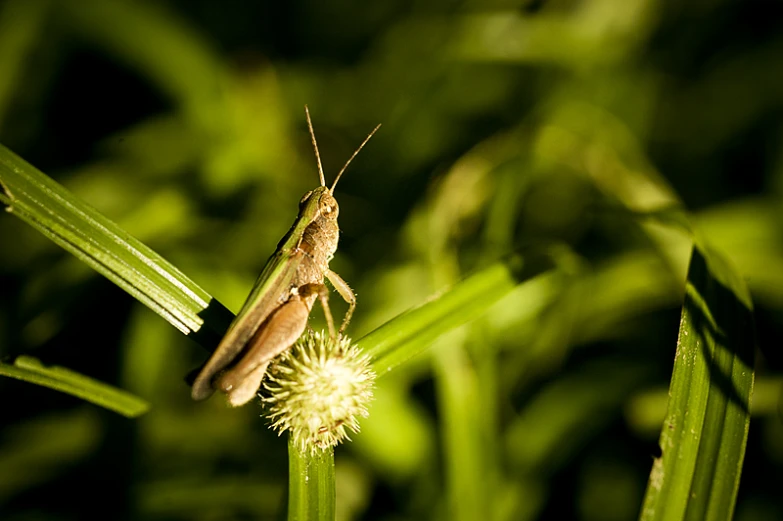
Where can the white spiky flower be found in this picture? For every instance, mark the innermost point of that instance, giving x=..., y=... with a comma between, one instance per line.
x=318, y=389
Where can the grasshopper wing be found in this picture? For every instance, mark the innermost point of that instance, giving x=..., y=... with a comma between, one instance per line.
x=270, y=290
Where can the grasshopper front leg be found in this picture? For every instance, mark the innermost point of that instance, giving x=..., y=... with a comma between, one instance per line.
x=323, y=297
x=346, y=293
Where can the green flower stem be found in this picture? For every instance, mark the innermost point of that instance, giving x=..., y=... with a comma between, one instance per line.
x=311, y=493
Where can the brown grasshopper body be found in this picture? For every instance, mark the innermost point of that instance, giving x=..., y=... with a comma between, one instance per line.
x=275, y=314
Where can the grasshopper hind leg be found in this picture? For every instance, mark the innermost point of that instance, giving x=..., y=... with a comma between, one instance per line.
x=278, y=333
x=247, y=388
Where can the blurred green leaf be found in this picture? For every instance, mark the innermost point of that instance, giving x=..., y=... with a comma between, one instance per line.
x=31, y=370
x=567, y=412
x=31, y=455
x=747, y=231
x=601, y=32
x=20, y=26
x=397, y=437
x=705, y=432
x=467, y=428
x=191, y=499
x=154, y=39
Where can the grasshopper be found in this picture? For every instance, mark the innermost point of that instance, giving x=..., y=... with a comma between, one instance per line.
x=275, y=314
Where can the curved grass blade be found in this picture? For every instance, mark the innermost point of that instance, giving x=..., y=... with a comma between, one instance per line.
x=410, y=333
x=107, y=248
x=706, y=427
x=311, y=493
x=31, y=370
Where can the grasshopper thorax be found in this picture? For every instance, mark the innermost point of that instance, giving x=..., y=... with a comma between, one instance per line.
x=318, y=209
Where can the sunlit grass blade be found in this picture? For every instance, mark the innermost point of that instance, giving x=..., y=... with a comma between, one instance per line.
x=107, y=248
x=311, y=493
x=31, y=370
x=413, y=331
x=706, y=427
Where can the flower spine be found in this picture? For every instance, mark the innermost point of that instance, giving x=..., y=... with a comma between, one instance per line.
x=318, y=390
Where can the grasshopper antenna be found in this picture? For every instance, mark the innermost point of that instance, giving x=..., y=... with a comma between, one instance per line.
x=331, y=190
x=315, y=147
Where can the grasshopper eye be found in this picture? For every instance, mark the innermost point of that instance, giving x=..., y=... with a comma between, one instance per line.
x=305, y=197
x=329, y=206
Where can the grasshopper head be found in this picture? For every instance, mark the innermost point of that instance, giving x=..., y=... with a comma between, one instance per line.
x=320, y=203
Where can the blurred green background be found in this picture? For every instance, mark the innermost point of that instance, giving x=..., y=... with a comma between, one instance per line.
x=544, y=128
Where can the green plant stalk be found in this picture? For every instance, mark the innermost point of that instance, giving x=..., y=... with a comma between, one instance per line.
x=706, y=427
x=468, y=470
x=311, y=492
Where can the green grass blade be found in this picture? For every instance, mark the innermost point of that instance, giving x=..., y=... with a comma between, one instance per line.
x=311, y=494
x=706, y=427
x=31, y=370
x=413, y=331
x=107, y=248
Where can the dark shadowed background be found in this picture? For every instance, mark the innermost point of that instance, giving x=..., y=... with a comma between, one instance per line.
x=524, y=127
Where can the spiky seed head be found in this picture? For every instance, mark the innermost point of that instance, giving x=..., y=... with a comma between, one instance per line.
x=318, y=390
